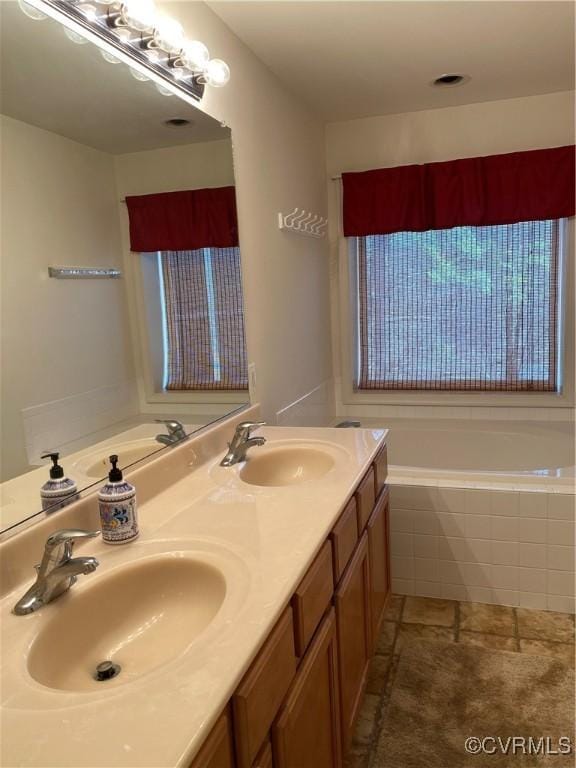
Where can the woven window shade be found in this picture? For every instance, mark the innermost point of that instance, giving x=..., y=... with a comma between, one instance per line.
x=468, y=308
x=205, y=320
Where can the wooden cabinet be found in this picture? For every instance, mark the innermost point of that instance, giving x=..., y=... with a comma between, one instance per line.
x=306, y=733
x=264, y=758
x=365, y=498
x=297, y=705
x=312, y=597
x=217, y=750
x=352, y=601
x=379, y=561
x=380, y=469
x=261, y=691
x=344, y=538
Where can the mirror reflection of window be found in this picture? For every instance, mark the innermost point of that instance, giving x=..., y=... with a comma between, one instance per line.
x=202, y=345
x=192, y=289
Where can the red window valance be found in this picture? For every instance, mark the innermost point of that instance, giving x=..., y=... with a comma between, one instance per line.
x=478, y=191
x=183, y=221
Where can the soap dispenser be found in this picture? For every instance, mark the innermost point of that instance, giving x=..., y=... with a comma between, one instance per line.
x=59, y=490
x=117, y=500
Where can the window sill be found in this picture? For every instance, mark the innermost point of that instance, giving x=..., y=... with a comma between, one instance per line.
x=466, y=399
x=239, y=397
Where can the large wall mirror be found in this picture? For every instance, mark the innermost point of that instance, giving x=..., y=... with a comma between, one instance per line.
x=145, y=329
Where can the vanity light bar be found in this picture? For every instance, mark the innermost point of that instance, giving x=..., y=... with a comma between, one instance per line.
x=81, y=273
x=152, y=44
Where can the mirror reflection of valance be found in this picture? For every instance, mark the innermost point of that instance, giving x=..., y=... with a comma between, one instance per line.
x=478, y=191
x=183, y=221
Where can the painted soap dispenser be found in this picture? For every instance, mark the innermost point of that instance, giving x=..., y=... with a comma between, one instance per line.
x=117, y=500
x=59, y=490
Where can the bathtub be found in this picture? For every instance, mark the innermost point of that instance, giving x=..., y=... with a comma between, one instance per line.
x=482, y=510
x=474, y=453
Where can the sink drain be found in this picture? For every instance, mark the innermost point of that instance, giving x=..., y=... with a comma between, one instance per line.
x=106, y=670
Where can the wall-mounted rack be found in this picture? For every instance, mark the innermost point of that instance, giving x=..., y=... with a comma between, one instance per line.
x=303, y=223
x=83, y=273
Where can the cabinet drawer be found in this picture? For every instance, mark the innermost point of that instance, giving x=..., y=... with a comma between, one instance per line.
x=365, y=498
x=216, y=752
x=380, y=469
x=307, y=731
x=262, y=689
x=344, y=537
x=312, y=597
x=264, y=757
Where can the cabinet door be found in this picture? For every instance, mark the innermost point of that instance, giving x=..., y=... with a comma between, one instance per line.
x=216, y=752
x=352, y=601
x=262, y=690
x=307, y=731
x=379, y=561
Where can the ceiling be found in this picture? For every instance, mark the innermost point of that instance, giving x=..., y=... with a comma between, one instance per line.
x=69, y=89
x=355, y=59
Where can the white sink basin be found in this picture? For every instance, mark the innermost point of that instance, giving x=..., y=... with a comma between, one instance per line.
x=286, y=466
x=139, y=616
x=97, y=465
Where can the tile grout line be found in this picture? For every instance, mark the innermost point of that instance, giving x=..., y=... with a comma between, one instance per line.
x=457, y=623
x=388, y=682
x=516, y=630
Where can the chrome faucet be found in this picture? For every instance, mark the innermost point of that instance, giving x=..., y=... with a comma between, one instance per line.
x=175, y=429
x=58, y=570
x=241, y=442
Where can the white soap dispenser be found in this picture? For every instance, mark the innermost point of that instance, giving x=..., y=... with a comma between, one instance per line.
x=59, y=490
x=117, y=500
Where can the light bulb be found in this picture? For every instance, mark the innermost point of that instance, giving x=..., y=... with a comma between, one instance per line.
x=179, y=73
x=163, y=91
x=109, y=57
x=89, y=11
x=217, y=73
x=31, y=11
x=123, y=33
x=168, y=34
x=195, y=55
x=139, y=14
x=154, y=56
x=74, y=36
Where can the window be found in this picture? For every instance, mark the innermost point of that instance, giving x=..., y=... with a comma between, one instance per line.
x=468, y=308
x=203, y=319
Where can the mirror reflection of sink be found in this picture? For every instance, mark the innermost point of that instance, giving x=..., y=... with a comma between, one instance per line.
x=97, y=465
x=286, y=466
x=139, y=616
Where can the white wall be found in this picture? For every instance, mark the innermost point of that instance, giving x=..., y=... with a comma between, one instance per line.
x=60, y=338
x=188, y=166
x=279, y=162
x=534, y=122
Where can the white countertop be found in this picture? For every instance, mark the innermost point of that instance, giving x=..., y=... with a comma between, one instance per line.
x=269, y=537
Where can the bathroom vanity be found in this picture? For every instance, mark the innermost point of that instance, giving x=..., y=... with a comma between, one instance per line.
x=298, y=702
x=243, y=619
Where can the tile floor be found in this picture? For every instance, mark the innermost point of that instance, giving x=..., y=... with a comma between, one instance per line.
x=519, y=630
